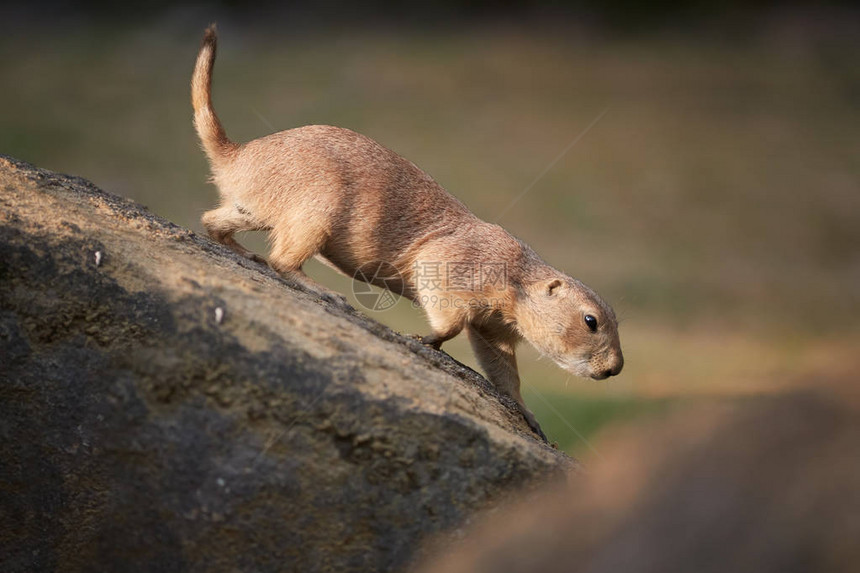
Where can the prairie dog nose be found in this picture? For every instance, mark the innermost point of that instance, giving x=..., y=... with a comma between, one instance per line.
x=617, y=366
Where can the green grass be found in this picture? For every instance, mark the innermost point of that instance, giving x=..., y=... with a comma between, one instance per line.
x=573, y=422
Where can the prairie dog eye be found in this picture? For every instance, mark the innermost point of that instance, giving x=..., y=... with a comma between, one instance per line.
x=591, y=322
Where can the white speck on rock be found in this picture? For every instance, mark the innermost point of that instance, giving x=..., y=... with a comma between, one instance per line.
x=219, y=315
x=98, y=258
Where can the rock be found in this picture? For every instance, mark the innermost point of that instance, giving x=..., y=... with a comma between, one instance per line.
x=167, y=405
x=769, y=485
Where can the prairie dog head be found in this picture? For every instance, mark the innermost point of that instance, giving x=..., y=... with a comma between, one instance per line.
x=568, y=322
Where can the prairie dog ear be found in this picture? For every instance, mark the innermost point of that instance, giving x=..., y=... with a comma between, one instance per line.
x=553, y=287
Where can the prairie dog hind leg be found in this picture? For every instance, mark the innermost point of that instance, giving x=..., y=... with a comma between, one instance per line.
x=292, y=245
x=222, y=223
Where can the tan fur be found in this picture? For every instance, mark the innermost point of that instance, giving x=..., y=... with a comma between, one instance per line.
x=330, y=192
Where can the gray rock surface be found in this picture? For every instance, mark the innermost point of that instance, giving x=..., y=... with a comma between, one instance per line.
x=139, y=433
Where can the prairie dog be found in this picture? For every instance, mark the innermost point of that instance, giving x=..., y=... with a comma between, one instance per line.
x=330, y=192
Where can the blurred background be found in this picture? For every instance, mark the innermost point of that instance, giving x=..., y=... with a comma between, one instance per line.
x=697, y=164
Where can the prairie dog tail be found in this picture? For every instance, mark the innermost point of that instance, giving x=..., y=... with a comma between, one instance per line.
x=209, y=129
